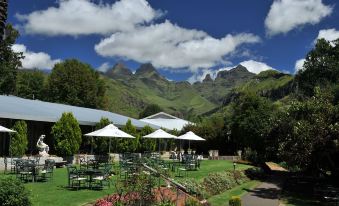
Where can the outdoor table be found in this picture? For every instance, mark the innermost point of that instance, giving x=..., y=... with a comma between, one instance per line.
x=90, y=173
x=175, y=164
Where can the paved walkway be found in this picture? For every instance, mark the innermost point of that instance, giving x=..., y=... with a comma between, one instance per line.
x=266, y=194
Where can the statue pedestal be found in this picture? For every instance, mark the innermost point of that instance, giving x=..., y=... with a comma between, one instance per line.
x=43, y=154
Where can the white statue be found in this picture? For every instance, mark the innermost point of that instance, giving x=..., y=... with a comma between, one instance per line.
x=43, y=148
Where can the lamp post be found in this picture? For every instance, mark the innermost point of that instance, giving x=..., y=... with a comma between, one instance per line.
x=3, y=17
x=234, y=165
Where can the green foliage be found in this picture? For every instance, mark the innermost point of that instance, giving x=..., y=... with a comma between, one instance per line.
x=76, y=83
x=212, y=129
x=308, y=133
x=67, y=135
x=19, y=140
x=192, y=202
x=150, y=110
x=147, y=144
x=235, y=201
x=13, y=193
x=251, y=123
x=321, y=67
x=100, y=144
x=127, y=144
x=30, y=84
x=216, y=183
x=10, y=62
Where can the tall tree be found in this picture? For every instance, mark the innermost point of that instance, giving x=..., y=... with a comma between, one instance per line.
x=76, y=83
x=308, y=134
x=30, y=84
x=10, y=61
x=126, y=144
x=101, y=143
x=19, y=140
x=67, y=135
x=251, y=123
x=321, y=67
x=3, y=17
x=147, y=144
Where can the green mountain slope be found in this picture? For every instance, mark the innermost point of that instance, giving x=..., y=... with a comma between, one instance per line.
x=216, y=90
x=129, y=94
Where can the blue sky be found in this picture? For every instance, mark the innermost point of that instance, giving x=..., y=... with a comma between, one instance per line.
x=185, y=40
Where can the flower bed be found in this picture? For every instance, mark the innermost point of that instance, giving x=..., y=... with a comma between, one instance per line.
x=216, y=183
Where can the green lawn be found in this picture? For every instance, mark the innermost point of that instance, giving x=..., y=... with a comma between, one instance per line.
x=214, y=166
x=55, y=193
x=223, y=198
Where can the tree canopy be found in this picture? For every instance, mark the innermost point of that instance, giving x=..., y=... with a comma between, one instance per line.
x=30, y=84
x=67, y=135
x=19, y=140
x=10, y=61
x=76, y=83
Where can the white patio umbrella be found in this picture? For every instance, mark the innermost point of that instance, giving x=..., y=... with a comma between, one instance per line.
x=109, y=131
x=190, y=136
x=160, y=134
x=4, y=129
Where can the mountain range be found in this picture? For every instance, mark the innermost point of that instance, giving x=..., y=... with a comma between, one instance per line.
x=129, y=93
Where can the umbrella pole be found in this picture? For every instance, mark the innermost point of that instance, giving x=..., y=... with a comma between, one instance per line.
x=109, y=146
x=159, y=145
x=92, y=145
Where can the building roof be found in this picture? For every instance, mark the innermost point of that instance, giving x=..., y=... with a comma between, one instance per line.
x=166, y=121
x=12, y=107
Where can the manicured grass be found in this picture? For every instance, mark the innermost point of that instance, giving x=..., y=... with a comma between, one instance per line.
x=223, y=198
x=54, y=192
x=210, y=166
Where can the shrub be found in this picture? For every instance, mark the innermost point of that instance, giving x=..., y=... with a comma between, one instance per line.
x=255, y=173
x=192, y=202
x=235, y=201
x=19, y=139
x=13, y=193
x=216, y=183
x=127, y=144
x=165, y=203
x=250, y=155
x=67, y=134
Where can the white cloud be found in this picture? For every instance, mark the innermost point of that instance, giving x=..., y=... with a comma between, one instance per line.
x=83, y=17
x=255, y=66
x=33, y=60
x=167, y=45
x=299, y=65
x=286, y=15
x=251, y=65
x=328, y=34
x=104, y=67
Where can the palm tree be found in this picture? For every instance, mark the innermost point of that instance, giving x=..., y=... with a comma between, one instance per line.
x=3, y=17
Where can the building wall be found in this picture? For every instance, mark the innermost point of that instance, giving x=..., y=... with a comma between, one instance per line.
x=34, y=130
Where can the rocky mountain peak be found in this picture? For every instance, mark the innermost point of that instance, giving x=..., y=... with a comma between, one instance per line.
x=208, y=78
x=147, y=68
x=119, y=71
x=238, y=71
